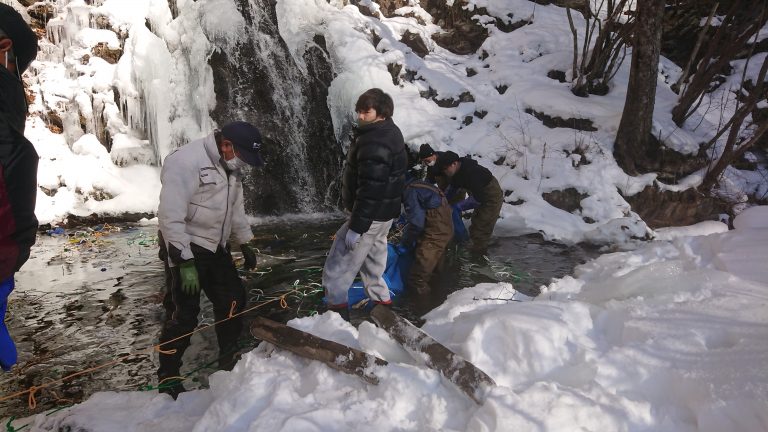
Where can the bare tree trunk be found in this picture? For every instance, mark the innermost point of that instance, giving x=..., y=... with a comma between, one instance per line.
x=574, y=74
x=634, y=134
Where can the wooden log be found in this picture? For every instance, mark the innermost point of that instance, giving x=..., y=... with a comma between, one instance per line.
x=335, y=355
x=466, y=376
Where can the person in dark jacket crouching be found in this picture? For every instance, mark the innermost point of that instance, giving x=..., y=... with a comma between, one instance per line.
x=18, y=164
x=428, y=157
x=485, y=197
x=372, y=189
x=429, y=227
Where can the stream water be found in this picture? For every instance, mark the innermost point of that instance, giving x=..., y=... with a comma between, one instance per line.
x=93, y=295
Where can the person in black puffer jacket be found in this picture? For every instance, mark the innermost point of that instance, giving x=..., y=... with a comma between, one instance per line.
x=18, y=164
x=372, y=189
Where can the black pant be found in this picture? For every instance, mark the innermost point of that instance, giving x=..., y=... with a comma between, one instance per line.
x=221, y=284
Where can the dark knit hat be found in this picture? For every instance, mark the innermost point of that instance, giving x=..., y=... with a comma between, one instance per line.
x=425, y=151
x=17, y=30
x=247, y=141
x=446, y=158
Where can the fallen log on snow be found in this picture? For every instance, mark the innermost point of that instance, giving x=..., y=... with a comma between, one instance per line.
x=466, y=376
x=333, y=354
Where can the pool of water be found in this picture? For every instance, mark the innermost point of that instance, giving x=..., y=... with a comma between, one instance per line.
x=87, y=297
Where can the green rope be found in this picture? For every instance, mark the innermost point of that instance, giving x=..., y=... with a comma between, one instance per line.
x=10, y=428
x=172, y=383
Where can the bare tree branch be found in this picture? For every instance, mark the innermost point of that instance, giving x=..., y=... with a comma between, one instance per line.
x=575, y=41
x=695, y=52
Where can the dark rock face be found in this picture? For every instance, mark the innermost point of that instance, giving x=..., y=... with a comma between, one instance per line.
x=567, y=199
x=40, y=13
x=110, y=55
x=416, y=43
x=559, y=122
x=260, y=82
x=461, y=35
x=670, y=165
x=557, y=75
x=665, y=208
x=394, y=70
x=579, y=5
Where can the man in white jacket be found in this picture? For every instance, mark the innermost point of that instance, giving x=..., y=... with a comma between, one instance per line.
x=201, y=206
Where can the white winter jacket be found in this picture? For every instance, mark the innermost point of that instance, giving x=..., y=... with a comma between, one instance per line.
x=199, y=202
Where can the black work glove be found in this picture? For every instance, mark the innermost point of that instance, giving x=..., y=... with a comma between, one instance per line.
x=249, y=255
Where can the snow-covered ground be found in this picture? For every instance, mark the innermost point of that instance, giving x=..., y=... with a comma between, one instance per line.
x=160, y=92
x=670, y=337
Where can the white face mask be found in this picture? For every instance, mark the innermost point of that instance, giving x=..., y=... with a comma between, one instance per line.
x=431, y=163
x=235, y=164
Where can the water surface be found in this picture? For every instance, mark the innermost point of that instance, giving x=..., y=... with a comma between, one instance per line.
x=90, y=296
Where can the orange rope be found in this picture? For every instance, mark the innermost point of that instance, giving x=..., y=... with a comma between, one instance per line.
x=180, y=378
x=33, y=389
x=166, y=352
x=31, y=399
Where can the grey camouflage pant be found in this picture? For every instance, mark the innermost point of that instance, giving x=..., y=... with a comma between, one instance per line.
x=368, y=257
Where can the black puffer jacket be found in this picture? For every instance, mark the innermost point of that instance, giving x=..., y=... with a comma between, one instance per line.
x=374, y=175
x=18, y=190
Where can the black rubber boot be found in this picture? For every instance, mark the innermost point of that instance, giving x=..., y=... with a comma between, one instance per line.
x=228, y=361
x=171, y=386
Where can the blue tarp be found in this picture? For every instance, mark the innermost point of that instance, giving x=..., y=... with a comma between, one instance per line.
x=460, y=233
x=394, y=275
x=398, y=265
x=7, y=348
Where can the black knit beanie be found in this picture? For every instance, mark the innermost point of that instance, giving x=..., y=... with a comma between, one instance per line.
x=24, y=39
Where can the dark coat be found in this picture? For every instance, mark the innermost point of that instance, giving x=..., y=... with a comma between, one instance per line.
x=374, y=175
x=434, y=172
x=473, y=177
x=18, y=191
x=419, y=196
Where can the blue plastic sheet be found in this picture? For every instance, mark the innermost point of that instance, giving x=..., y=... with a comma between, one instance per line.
x=394, y=275
x=398, y=265
x=460, y=233
x=7, y=347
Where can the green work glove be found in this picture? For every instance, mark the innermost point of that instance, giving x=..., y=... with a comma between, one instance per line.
x=190, y=284
x=249, y=255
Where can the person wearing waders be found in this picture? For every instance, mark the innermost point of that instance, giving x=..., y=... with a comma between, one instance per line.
x=428, y=157
x=201, y=206
x=485, y=196
x=372, y=189
x=18, y=164
x=429, y=226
